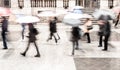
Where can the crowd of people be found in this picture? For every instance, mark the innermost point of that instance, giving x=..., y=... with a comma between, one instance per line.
x=104, y=31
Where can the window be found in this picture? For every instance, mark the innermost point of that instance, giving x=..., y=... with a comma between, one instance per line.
x=7, y=3
x=65, y=4
x=43, y=3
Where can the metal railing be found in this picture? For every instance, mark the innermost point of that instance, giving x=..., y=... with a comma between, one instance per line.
x=43, y=3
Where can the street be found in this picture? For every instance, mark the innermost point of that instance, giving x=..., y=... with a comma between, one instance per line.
x=58, y=56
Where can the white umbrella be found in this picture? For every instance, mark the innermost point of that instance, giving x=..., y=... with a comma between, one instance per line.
x=72, y=19
x=47, y=14
x=28, y=19
x=87, y=16
x=78, y=7
x=97, y=14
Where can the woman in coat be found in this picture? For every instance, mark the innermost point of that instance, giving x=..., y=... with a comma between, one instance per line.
x=32, y=39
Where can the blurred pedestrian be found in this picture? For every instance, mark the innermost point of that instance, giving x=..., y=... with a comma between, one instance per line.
x=104, y=31
x=53, y=30
x=32, y=39
x=87, y=27
x=23, y=29
x=118, y=18
x=75, y=37
x=4, y=30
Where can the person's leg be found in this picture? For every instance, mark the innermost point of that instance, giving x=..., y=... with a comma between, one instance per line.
x=51, y=34
x=73, y=49
x=100, y=41
x=38, y=54
x=77, y=45
x=106, y=42
x=58, y=36
x=55, y=38
x=116, y=23
x=4, y=40
x=23, y=33
x=24, y=53
x=88, y=37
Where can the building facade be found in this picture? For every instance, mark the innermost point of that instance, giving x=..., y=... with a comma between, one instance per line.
x=35, y=6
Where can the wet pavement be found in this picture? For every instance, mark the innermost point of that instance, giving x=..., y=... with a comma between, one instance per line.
x=58, y=56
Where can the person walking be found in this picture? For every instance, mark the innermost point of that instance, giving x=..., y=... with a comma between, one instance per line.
x=53, y=30
x=75, y=36
x=118, y=18
x=104, y=31
x=23, y=29
x=87, y=27
x=4, y=30
x=32, y=39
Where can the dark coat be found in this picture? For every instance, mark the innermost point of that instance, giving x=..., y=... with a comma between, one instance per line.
x=52, y=25
x=105, y=29
x=4, y=25
x=75, y=34
x=32, y=35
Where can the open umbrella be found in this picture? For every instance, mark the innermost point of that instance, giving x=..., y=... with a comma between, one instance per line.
x=97, y=14
x=4, y=11
x=87, y=16
x=72, y=19
x=47, y=14
x=28, y=19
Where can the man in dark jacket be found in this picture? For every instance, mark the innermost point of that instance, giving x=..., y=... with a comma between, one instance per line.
x=105, y=30
x=4, y=30
x=53, y=29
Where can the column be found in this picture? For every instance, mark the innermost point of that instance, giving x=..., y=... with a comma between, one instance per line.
x=104, y=4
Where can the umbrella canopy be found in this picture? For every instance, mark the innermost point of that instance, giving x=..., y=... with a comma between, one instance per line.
x=28, y=19
x=78, y=7
x=4, y=11
x=116, y=9
x=87, y=16
x=77, y=11
x=47, y=14
x=72, y=19
x=105, y=17
x=97, y=14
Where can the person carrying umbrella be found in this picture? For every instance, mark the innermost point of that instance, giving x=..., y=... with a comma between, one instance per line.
x=32, y=39
x=53, y=29
x=75, y=36
x=104, y=31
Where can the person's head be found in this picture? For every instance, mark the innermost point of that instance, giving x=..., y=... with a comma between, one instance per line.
x=55, y=18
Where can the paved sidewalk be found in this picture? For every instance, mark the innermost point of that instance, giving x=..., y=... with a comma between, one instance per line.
x=53, y=56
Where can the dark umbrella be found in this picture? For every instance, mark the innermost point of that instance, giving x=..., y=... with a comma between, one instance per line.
x=105, y=17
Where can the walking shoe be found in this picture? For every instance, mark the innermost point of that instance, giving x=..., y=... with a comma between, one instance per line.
x=99, y=45
x=104, y=49
x=5, y=48
x=23, y=54
x=38, y=55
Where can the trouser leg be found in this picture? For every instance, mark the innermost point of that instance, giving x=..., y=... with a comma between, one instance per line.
x=100, y=40
x=27, y=47
x=36, y=48
x=73, y=49
x=106, y=42
x=4, y=39
x=116, y=22
x=88, y=37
